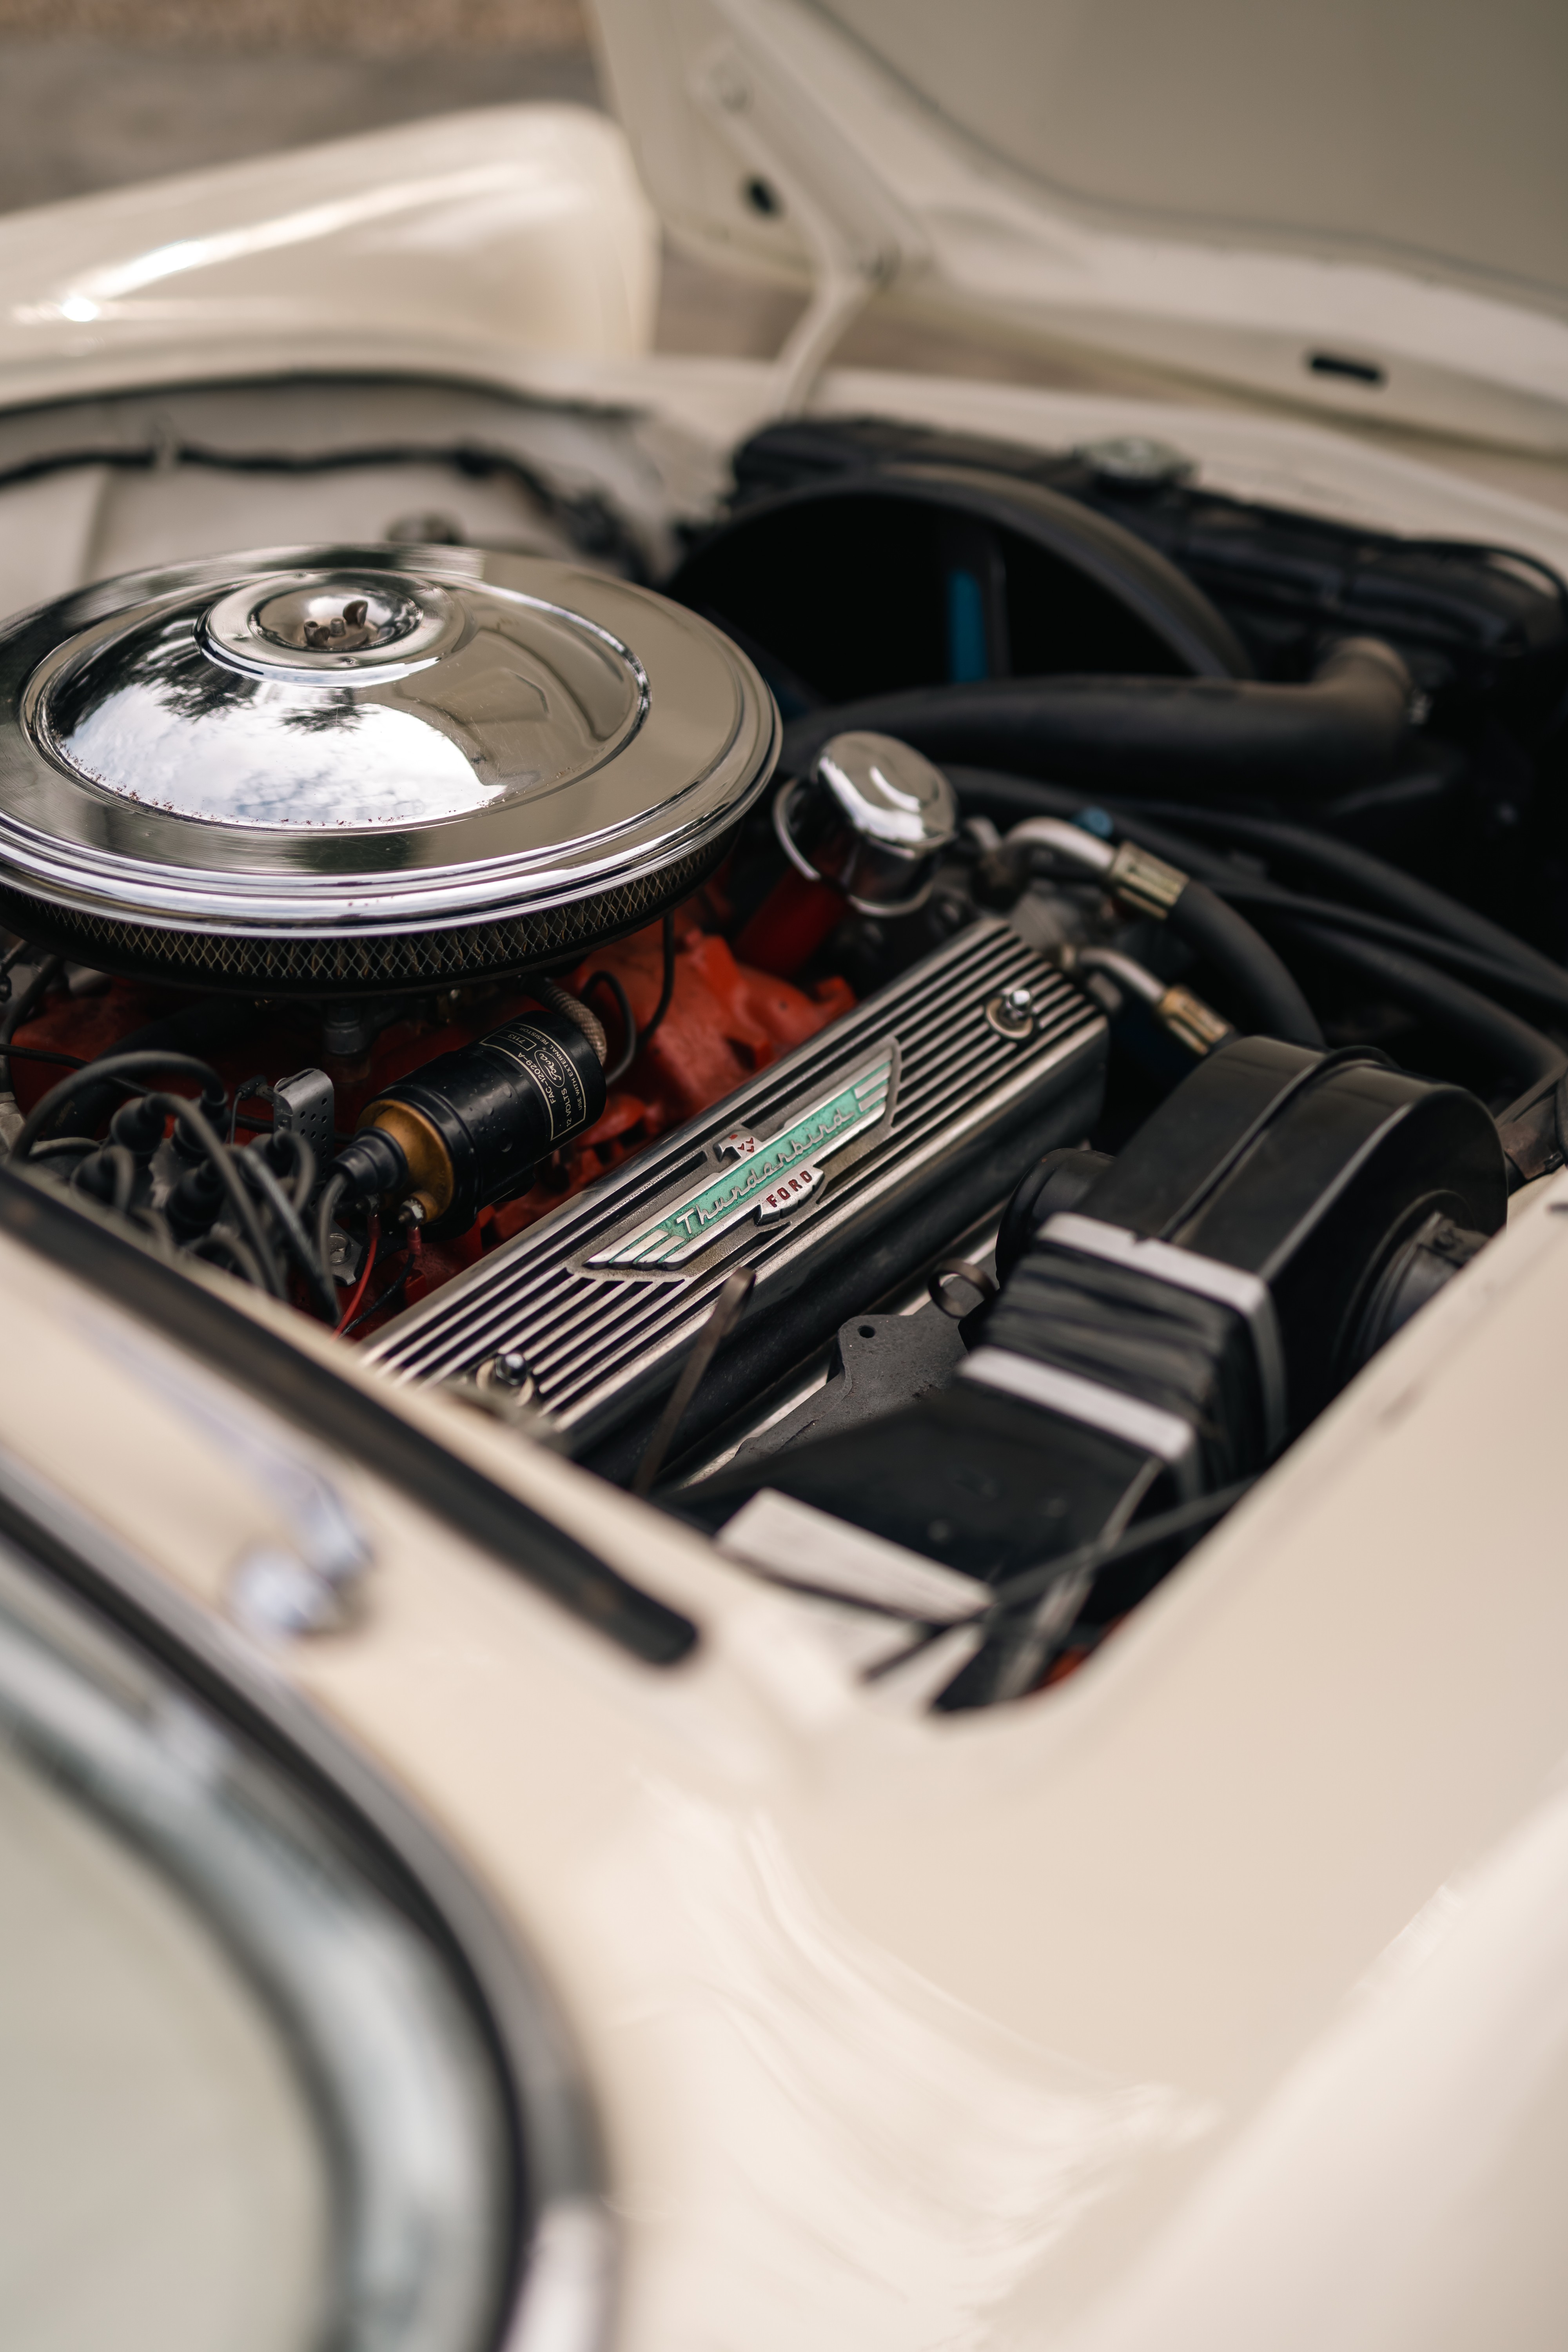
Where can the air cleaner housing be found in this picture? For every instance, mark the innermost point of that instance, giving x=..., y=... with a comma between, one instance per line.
x=340, y=770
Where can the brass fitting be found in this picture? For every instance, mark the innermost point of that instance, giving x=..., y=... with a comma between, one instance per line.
x=429, y=1161
x=1199, y=1027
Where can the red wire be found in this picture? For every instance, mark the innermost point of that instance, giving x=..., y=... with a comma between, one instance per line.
x=363, y=1284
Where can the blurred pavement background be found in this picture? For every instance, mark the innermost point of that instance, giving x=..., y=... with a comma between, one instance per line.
x=97, y=92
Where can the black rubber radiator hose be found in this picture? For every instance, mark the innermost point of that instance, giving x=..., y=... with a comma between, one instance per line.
x=1370, y=879
x=1487, y=1027
x=1196, y=914
x=1201, y=735
x=1229, y=942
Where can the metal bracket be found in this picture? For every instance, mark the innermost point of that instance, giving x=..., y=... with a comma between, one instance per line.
x=306, y=1105
x=856, y=239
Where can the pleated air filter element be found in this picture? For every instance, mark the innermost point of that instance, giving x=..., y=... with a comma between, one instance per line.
x=342, y=770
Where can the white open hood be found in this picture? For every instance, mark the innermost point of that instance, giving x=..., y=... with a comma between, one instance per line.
x=1362, y=206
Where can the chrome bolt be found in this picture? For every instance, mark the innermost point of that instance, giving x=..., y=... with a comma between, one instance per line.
x=505, y=1377
x=1012, y=1014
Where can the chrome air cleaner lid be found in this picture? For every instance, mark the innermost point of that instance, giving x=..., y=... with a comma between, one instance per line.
x=362, y=768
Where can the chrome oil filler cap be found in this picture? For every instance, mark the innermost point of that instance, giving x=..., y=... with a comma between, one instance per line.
x=874, y=817
x=358, y=768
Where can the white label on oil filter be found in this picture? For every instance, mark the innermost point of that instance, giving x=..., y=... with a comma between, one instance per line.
x=553, y=1070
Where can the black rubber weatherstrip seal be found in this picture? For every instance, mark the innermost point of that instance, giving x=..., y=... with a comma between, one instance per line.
x=339, y=1415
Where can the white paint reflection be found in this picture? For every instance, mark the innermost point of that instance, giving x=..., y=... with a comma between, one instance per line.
x=872, y=2159
x=1402, y=2190
x=530, y=191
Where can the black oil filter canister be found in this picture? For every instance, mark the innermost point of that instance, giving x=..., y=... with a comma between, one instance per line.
x=474, y=1123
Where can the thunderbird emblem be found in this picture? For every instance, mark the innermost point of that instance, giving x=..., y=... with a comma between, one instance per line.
x=766, y=1177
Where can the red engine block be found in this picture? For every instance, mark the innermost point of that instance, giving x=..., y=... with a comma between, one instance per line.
x=725, y=1020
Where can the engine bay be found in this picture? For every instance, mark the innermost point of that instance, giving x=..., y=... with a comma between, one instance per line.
x=930, y=1023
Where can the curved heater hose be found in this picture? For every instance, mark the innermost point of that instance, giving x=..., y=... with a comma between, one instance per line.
x=1227, y=941
x=1213, y=931
x=1408, y=980
x=1487, y=1029
x=1199, y=735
